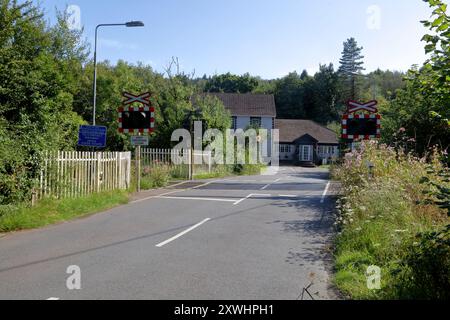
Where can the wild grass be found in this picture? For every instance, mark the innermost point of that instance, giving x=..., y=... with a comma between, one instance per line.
x=379, y=218
x=155, y=177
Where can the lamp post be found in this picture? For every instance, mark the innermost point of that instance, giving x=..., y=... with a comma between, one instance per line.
x=131, y=24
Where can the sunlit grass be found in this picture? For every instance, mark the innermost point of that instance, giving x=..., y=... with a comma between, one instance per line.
x=50, y=211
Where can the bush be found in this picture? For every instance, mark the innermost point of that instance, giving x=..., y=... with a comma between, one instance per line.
x=248, y=169
x=155, y=177
x=427, y=265
x=387, y=219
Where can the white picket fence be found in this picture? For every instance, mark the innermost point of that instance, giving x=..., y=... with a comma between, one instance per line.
x=154, y=157
x=70, y=174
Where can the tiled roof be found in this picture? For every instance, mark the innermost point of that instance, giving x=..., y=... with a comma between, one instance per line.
x=253, y=105
x=291, y=130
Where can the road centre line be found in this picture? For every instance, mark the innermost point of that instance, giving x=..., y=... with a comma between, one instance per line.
x=196, y=198
x=205, y=184
x=171, y=192
x=154, y=197
x=265, y=187
x=250, y=196
x=182, y=233
x=325, y=192
x=268, y=185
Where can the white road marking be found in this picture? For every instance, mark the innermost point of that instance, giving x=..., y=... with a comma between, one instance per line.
x=250, y=196
x=182, y=233
x=265, y=187
x=196, y=198
x=53, y=298
x=268, y=185
x=204, y=185
x=154, y=197
x=325, y=192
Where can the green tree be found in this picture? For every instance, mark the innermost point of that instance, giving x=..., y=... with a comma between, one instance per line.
x=351, y=65
x=39, y=75
x=289, y=93
x=325, y=94
x=230, y=83
x=421, y=110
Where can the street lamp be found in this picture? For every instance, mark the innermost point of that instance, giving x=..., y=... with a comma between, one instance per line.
x=130, y=24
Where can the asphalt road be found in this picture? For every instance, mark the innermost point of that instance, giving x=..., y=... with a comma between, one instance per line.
x=262, y=237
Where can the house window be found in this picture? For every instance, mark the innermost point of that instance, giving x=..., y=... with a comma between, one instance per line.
x=234, y=123
x=285, y=148
x=327, y=150
x=256, y=122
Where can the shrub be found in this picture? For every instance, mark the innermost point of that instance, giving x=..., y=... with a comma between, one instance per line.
x=391, y=219
x=155, y=177
x=427, y=265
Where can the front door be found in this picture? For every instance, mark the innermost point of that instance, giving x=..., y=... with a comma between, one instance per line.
x=306, y=153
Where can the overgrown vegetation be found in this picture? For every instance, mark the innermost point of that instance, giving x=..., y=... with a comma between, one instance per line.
x=388, y=221
x=155, y=177
x=397, y=217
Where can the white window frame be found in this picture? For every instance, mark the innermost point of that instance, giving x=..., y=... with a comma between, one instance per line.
x=285, y=148
x=309, y=154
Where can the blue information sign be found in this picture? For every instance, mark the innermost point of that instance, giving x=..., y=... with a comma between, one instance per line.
x=92, y=136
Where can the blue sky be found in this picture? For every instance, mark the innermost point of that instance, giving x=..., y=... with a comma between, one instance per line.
x=269, y=38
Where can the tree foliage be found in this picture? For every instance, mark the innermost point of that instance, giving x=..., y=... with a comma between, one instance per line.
x=422, y=109
x=351, y=65
x=40, y=68
x=230, y=83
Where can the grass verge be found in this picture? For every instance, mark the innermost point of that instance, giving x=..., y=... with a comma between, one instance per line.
x=50, y=211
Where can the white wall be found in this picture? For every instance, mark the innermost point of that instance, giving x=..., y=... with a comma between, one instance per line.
x=266, y=123
x=244, y=122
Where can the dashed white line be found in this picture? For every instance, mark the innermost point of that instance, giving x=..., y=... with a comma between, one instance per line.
x=204, y=185
x=196, y=198
x=182, y=233
x=325, y=192
x=53, y=298
x=239, y=201
x=250, y=196
x=268, y=185
x=154, y=197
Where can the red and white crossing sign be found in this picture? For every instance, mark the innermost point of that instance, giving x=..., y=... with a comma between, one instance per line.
x=131, y=98
x=364, y=125
x=354, y=106
x=137, y=119
x=355, y=127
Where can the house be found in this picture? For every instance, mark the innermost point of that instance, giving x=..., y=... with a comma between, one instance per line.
x=249, y=109
x=306, y=142
x=301, y=141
